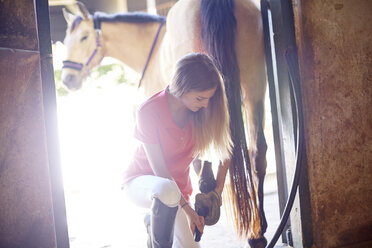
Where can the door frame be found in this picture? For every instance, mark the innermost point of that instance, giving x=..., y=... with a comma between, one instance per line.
x=51, y=124
x=280, y=38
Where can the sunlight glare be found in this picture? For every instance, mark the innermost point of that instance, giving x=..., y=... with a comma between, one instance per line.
x=96, y=139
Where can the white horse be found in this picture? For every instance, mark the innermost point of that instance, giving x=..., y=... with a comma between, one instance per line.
x=231, y=33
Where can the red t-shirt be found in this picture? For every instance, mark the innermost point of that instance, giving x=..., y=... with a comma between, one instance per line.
x=156, y=126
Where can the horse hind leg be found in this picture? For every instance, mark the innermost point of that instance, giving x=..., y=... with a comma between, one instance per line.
x=257, y=152
x=207, y=181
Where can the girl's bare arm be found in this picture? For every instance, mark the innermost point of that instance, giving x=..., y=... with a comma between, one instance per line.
x=221, y=177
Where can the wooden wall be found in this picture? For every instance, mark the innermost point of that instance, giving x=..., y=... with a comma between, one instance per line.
x=26, y=200
x=334, y=39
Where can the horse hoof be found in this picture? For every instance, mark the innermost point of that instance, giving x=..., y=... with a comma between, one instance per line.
x=208, y=206
x=257, y=243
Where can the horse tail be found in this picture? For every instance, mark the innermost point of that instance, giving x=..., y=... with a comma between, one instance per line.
x=218, y=39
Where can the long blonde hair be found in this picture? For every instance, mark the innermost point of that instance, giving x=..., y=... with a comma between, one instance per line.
x=211, y=125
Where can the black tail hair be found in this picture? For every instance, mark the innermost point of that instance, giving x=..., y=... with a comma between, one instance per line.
x=218, y=38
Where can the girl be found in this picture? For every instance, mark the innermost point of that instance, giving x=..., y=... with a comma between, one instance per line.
x=188, y=119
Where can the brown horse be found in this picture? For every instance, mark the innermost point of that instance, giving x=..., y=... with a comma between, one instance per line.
x=231, y=33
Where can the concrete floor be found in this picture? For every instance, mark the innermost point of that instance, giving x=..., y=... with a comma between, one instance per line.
x=222, y=234
x=117, y=223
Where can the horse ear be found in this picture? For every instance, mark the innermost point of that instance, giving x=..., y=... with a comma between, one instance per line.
x=68, y=16
x=83, y=10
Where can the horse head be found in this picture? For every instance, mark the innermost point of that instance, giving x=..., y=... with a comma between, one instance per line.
x=82, y=42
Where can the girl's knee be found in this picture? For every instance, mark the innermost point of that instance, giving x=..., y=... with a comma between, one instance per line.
x=168, y=193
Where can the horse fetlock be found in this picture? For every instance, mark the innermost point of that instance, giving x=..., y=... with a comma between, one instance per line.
x=206, y=186
x=259, y=163
x=263, y=223
x=207, y=182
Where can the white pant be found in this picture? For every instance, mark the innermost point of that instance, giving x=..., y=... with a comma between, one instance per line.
x=141, y=192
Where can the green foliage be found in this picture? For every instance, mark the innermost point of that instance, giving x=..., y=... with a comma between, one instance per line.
x=60, y=88
x=114, y=72
x=103, y=70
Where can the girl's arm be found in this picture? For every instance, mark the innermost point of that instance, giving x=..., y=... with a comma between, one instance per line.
x=155, y=156
x=221, y=177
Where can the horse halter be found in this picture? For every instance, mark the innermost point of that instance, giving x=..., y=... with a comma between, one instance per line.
x=97, y=27
x=79, y=66
x=150, y=53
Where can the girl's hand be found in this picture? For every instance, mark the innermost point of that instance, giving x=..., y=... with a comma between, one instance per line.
x=218, y=193
x=194, y=219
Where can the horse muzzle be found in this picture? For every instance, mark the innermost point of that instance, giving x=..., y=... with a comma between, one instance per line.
x=72, y=81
